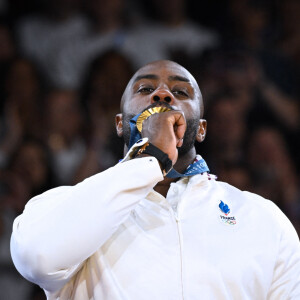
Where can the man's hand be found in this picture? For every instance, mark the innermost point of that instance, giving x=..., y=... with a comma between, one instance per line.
x=166, y=131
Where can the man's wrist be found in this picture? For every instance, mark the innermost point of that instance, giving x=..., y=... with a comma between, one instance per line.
x=149, y=149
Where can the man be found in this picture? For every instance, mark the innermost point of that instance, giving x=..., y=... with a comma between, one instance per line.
x=131, y=232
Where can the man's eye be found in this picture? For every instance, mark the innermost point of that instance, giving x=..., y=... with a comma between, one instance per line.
x=180, y=93
x=145, y=90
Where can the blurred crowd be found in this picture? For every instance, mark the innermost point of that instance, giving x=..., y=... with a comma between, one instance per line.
x=64, y=66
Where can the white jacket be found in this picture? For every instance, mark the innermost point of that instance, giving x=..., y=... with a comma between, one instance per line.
x=113, y=237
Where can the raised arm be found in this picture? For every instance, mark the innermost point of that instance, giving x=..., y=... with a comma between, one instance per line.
x=61, y=228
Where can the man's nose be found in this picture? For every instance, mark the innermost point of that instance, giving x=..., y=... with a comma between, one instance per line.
x=162, y=95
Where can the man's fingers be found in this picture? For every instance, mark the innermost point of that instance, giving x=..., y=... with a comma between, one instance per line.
x=179, y=126
x=166, y=131
x=179, y=143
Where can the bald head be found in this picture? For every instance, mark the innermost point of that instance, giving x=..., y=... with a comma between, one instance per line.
x=171, y=73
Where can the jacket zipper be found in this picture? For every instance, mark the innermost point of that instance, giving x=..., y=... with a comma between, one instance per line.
x=180, y=249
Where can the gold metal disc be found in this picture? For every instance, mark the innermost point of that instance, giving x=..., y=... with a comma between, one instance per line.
x=147, y=113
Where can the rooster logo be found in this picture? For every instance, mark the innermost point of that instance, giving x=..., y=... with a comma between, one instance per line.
x=224, y=208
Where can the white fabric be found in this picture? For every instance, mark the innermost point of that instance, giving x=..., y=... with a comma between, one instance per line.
x=113, y=237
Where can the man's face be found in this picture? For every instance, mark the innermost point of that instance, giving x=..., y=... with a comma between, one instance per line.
x=163, y=83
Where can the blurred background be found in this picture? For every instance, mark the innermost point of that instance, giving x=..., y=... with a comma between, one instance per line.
x=65, y=63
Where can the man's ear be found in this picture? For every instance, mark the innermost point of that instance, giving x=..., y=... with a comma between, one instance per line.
x=119, y=124
x=201, y=133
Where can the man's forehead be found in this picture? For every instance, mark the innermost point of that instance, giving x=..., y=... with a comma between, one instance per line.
x=163, y=68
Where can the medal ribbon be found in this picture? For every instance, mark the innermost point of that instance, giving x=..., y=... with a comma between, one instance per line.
x=197, y=167
x=134, y=133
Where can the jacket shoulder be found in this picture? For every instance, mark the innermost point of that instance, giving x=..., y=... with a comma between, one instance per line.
x=254, y=204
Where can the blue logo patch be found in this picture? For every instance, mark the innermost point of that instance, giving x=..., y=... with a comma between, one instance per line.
x=224, y=208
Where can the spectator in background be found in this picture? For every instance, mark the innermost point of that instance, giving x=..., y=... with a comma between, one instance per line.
x=274, y=171
x=64, y=133
x=244, y=75
x=249, y=24
x=24, y=88
x=101, y=97
x=107, y=29
x=28, y=174
x=31, y=163
x=263, y=100
x=7, y=53
x=22, y=106
x=227, y=131
x=289, y=36
x=101, y=90
x=42, y=36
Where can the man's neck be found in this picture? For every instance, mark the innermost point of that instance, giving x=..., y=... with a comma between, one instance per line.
x=181, y=165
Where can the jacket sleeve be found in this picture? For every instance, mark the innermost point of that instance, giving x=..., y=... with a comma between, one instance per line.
x=286, y=277
x=62, y=227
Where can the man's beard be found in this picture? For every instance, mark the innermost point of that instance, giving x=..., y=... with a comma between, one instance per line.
x=188, y=140
x=189, y=136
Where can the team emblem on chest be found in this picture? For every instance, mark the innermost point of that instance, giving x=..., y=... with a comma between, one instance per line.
x=229, y=220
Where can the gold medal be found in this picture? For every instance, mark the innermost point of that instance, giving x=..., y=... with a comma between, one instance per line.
x=147, y=113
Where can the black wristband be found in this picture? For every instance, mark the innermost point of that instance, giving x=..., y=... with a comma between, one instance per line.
x=161, y=156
